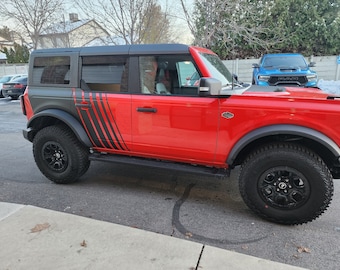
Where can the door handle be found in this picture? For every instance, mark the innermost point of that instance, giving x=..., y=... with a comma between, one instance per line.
x=150, y=110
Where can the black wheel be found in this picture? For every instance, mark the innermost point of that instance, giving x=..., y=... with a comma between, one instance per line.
x=286, y=183
x=59, y=155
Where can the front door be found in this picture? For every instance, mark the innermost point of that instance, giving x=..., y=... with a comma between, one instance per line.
x=174, y=124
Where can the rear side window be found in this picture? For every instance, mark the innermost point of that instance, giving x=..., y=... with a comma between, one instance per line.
x=51, y=70
x=105, y=73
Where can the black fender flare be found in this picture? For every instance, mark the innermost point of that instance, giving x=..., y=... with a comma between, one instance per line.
x=287, y=130
x=67, y=119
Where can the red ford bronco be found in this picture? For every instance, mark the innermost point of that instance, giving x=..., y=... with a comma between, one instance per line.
x=178, y=107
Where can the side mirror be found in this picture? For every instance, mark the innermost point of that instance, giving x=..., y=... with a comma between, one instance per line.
x=256, y=65
x=235, y=77
x=209, y=87
x=312, y=64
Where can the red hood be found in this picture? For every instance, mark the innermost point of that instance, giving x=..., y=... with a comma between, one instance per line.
x=294, y=92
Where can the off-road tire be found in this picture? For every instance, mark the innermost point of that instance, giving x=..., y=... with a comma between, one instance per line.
x=59, y=155
x=286, y=183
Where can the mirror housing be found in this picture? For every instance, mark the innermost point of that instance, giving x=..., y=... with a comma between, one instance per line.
x=209, y=87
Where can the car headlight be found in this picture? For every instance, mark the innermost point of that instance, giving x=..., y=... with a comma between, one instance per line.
x=313, y=77
x=264, y=78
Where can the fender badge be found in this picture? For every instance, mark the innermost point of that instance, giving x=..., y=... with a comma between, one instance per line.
x=227, y=115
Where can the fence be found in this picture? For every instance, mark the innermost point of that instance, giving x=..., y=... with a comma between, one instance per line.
x=7, y=69
x=327, y=67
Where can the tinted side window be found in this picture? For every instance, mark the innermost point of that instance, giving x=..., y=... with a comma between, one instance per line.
x=148, y=66
x=105, y=73
x=51, y=70
x=168, y=75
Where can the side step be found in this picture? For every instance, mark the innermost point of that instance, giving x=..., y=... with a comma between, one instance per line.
x=121, y=159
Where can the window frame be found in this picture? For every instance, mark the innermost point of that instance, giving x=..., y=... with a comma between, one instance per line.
x=183, y=90
x=73, y=70
x=105, y=85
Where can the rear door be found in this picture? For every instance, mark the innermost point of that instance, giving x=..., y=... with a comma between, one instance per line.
x=103, y=103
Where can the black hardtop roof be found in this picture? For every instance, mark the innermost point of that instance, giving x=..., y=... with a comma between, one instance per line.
x=138, y=49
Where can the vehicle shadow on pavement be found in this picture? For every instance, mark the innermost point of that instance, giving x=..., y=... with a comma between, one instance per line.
x=205, y=209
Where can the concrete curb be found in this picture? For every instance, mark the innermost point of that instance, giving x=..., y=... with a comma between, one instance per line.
x=37, y=238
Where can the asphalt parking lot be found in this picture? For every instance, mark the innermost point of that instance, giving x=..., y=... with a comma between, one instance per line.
x=197, y=208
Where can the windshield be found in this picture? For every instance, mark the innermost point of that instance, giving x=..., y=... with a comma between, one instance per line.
x=284, y=61
x=5, y=79
x=217, y=68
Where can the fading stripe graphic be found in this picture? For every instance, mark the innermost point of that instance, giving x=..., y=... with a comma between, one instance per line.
x=98, y=120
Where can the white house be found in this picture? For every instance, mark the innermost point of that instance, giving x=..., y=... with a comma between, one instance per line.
x=72, y=33
x=3, y=58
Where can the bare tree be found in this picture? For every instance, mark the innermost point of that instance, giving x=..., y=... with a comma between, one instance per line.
x=5, y=32
x=32, y=16
x=188, y=11
x=155, y=27
x=129, y=20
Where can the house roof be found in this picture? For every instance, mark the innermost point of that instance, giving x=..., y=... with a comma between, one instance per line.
x=100, y=41
x=4, y=41
x=64, y=27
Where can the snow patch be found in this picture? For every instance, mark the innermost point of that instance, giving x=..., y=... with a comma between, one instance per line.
x=331, y=87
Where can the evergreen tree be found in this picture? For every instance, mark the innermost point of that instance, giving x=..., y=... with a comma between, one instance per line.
x=231, y=28
x=20, y=54
x=246, y=28
x=308, y=27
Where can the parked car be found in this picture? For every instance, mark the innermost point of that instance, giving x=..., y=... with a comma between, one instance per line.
x=7, y=78
x=284, y=69
x=14, y=88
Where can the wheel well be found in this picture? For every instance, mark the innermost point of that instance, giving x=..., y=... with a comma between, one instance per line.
x=63, y=119
x=325, y=154
x=45, y=121
x=41, y=122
